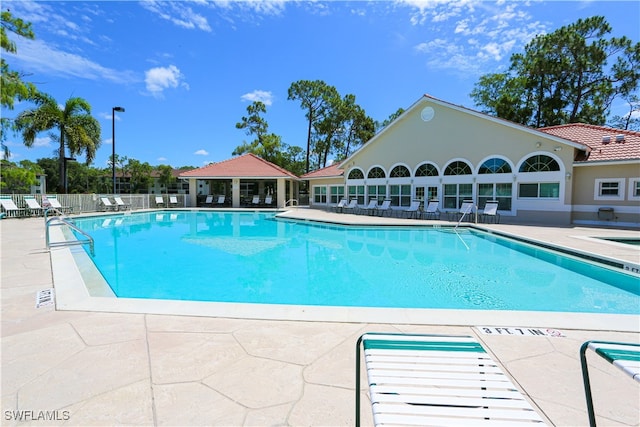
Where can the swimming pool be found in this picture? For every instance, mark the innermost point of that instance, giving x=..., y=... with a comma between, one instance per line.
x=252, y=257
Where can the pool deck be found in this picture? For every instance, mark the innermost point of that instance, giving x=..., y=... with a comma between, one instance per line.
x=119, y=368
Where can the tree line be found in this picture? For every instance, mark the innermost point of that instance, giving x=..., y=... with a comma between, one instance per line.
x=571, y=75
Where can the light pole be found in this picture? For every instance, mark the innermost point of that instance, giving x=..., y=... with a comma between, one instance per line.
x=113, y=144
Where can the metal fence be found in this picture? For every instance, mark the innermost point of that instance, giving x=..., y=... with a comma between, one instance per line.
x=83, y=203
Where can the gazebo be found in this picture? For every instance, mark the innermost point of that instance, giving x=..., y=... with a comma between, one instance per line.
x=240, y=178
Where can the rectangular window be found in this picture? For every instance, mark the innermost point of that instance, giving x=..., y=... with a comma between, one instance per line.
x=542, y=190
x=634, y=188
x=609, y=189
x=500, y=192
x=320, y=195
x=420, y=193
x=432, y=193
x=400, y=195
x=336, y=194
x=357, y=192
x=378, y=192
x=455, y=194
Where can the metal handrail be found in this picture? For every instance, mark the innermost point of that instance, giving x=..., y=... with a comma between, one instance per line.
x=56, y=210
x=62, y=221
x=291, y=202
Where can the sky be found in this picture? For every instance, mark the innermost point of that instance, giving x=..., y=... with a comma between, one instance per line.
x=186, y=71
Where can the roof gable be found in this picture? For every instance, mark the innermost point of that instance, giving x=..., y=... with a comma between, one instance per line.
x=497, y=120
x=331, y=171
x=606, y=144
x=246, y=166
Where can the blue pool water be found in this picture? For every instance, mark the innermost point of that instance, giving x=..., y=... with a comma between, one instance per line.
x=253, y=257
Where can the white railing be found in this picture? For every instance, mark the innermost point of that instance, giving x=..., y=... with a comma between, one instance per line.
x=83, y=203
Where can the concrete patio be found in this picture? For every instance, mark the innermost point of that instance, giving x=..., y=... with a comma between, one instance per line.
x=82, y=368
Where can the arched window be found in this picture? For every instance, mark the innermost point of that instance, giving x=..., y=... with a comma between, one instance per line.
x=495, y=165
x=376, y=172
x=540, y=163
x=427, y=169
x=458, y=168
x=356, y=174
x=400, y=172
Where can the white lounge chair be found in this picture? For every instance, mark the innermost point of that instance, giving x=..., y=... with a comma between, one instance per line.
x=384, y=207
x=372, y=206
x=33, y=207
x=438, y=380
x=352, y=206
x=490, y=212
x=431, y=211
x=268, y=200
x=208, y=202
x=10, y=209
x=120, y=204
x=173, y=201
x=465, y=211
x=107, y=205
x=221, y=200
x=624, y=356
x=340, y=206
x=55, y=203
x=255, y=201
x=159, y=201
x=413, y=210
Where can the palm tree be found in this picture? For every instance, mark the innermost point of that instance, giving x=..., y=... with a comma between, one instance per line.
x=79, y=131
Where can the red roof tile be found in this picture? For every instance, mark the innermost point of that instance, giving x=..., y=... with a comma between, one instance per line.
x=245, y=166
x=327, y=172
x=622, y=144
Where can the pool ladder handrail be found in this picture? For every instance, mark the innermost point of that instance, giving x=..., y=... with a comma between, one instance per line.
x=62, y=221
x=55, y=210
x=291, y=202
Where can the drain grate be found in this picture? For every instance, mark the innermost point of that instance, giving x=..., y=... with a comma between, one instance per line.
x=44, y=297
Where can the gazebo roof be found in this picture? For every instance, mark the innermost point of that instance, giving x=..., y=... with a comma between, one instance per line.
x=245, y=166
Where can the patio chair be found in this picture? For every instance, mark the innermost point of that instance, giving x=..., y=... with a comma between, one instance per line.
x=173, y=201
x=107, y=205
x=352, y=206
x=55, y=203
x=10, y=209
x=256, y=200
x=221, y=200
x=490, y=212
x=268, y=201
x=373, y=204
x=384, y=207
x=437, y=380
x=120, y=204
x=208, y=202
x=340, y=206
x=33, y=207
x=431, y=211
x=624, y=356
x=413, y=210
x=159, y=201
x=465, y=211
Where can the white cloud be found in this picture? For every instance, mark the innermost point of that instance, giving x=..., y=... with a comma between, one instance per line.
x=201, y=153
x=161, y=159
x=40, y=57
x=160, y=78
x=479, y=37
x=258, y=95
x=179, y=13
x=42, y=142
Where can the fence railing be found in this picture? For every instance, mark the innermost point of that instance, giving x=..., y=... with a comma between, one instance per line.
x=84, y=203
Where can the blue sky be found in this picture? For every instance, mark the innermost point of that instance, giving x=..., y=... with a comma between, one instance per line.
x=185, y=71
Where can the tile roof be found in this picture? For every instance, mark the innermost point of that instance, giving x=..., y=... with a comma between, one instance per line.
x=327, y=172
x=245, y=166
x=628, y=148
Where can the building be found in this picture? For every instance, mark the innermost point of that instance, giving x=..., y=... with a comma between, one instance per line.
x=240, y=178
x=437, y=150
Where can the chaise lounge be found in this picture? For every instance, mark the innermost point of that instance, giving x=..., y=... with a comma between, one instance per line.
x=437, y=380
